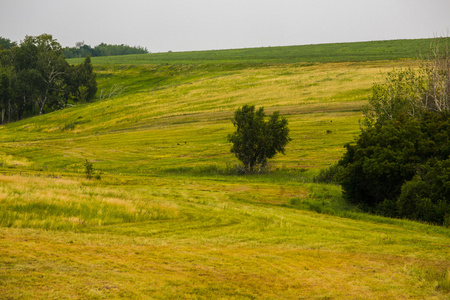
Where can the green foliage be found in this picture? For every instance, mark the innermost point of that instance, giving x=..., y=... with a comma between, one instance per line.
x=84, y=85
x=83, y=50
x=399, y=164
x=88, y=169
x=380, y=161
x=399, y=95
x=6, y=43
x=411, y=93
x=255, y=140
x=35, y=78
x=427, y=196
x=388, y=155
x=329, y=175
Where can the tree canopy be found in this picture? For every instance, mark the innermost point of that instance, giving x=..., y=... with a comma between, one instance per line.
x=400, y=163
x=83, y=50
x=255, y=139
x=35, y=78
x=6, y=43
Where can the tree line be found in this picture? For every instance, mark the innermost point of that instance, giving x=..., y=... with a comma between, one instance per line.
x=35, y=78
x=83, y=50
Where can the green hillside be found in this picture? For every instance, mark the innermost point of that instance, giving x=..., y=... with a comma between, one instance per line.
x=170, y=218
x=322, y=53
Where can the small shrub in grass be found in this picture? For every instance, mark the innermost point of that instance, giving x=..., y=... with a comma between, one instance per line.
x=294, y=201
x=89, y=171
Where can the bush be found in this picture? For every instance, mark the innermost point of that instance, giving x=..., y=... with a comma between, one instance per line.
x=427, y=196
x=329, y=175
x=88, y=169
x=401, y=168
x=383, y=158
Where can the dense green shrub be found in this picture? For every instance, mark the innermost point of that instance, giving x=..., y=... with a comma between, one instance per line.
x=329, y=175
x=427, y=196
x=382, y=171
x=382, y=159
x=399, y=166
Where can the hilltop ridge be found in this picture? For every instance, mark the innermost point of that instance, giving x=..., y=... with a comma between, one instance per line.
x=317, y=53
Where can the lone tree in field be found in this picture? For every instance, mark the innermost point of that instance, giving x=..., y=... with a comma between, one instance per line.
x=256, y=140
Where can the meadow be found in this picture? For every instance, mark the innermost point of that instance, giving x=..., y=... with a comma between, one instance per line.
x=168, y=215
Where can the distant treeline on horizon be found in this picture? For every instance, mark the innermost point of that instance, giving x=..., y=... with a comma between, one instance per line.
x=82, y=50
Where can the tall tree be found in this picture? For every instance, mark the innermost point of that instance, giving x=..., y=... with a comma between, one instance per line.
x=35, y=78
x=84, y=85
x=5, y=91
x=51, y=67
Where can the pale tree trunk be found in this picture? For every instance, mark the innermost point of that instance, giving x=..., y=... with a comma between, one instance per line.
x=42, y=104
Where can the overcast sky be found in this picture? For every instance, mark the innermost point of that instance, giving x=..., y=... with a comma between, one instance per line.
x=182, y=25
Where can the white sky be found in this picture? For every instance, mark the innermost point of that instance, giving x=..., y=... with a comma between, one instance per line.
x=182, y=25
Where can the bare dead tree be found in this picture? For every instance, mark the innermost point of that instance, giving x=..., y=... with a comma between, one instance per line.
x=437, y=97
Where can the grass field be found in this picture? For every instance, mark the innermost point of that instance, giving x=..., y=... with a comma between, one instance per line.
x=323, y=53
x=170, y=218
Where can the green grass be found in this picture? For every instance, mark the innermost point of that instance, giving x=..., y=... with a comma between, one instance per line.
x=171, y=218
x=322, y=53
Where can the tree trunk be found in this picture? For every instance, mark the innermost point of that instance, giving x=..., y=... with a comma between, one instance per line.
x=42, y=103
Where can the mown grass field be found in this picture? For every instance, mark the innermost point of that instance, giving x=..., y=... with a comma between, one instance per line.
x=169, y=217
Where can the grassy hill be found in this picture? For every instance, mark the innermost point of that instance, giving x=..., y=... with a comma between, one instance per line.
x=321, y=53
x=171, y=219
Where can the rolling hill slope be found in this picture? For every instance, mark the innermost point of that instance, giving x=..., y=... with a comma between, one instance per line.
x=170, y=218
